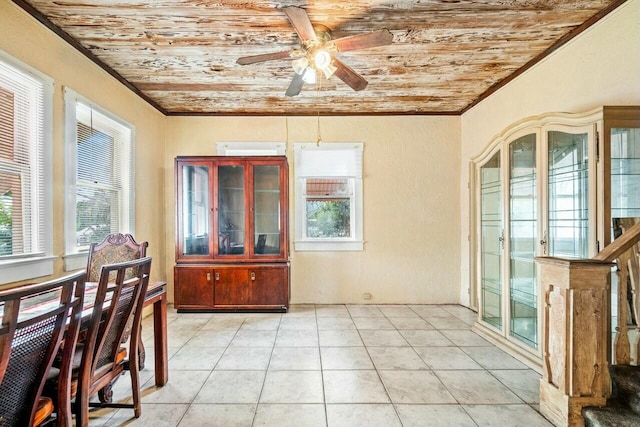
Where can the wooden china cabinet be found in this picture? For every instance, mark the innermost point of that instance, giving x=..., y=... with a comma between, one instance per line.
x=232, y=242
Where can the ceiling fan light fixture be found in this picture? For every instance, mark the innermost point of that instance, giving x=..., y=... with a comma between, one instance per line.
x=317, y=50
x=309, y=75
x=321, y=59
x=329, y=70
x=300, y=65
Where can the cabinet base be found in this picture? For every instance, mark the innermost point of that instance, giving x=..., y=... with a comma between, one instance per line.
x=252, y=309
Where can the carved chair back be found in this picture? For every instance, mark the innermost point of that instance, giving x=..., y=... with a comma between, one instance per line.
x=113, y=249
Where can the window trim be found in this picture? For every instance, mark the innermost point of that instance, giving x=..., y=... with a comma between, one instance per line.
x=74, y=257
x=38, y=264
x=251, y=148
x=304, y=243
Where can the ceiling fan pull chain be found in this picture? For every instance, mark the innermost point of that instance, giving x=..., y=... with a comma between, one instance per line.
x=319, y=139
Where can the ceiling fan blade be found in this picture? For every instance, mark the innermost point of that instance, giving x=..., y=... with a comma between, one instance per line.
x=301, y=22
x=295, y=86
x=285, y=54
x=363, y=41
x=347, y=75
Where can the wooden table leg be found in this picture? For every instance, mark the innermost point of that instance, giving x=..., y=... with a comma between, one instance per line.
x=160, y=340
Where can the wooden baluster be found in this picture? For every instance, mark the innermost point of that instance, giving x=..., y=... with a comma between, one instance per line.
x=622, y=345
x=634, y=274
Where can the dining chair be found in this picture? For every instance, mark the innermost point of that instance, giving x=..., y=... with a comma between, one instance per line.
x=114, y=248
x=104, y=357
x=34, y=320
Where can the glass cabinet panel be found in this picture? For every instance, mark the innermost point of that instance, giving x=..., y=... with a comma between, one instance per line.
x=491, y=249
x=266, y=209
x=568, y=195
x=625, y=173
x=624, y=194
x=522, y=240
x=195, y=209
x=231, y=213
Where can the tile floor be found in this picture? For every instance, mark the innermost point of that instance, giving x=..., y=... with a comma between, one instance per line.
x=332, y=365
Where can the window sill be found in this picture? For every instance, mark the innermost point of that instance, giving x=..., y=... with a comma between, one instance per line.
x=328, y=245
x=15, y=270
x=77, y=261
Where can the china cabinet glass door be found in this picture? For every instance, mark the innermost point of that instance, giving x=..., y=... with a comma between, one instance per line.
x=624, y=192
x=231, y=213
x=195, y=210
x=625, y=172
x=523, y=218
x=266, y=210
x=568, y=194
x=620, y=132
x=491, y=241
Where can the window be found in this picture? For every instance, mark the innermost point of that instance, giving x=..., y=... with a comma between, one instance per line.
x=25, y=163
x=99, y=176
x=328, y=207
x=328, y=193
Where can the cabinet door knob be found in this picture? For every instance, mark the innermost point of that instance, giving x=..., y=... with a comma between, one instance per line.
x=217, y=276
x=253, y=276
x=208, y=277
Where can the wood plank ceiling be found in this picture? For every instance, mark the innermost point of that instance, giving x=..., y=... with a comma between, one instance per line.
x=446, y=55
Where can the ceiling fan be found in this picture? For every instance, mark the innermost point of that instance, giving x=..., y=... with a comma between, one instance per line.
x=317, y=52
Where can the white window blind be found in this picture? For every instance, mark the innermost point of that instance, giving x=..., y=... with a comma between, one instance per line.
x=22, y=185
x=26, y=230
x=99, y=174
x=328, y=160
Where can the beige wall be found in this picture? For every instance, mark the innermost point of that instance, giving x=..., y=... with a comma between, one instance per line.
x=416, y=220
x=599, y=67
x=411, y=185
x=30, y=42
x=411, y=202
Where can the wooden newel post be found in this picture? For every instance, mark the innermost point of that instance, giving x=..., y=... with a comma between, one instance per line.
x=575, y=344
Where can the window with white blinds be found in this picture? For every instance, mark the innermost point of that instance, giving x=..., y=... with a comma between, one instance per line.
x=99, y=170
x=328, y=191
x=25, y=161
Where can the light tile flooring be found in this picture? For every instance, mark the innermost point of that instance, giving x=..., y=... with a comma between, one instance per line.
x=332, y=365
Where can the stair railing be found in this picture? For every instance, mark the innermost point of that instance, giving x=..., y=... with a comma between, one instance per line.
x=576, y=327
x=625, y=251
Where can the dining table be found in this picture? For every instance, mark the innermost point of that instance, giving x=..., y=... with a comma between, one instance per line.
x=155, y=297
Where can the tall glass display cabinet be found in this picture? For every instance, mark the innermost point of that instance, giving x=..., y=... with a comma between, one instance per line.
x=232, y=246
x=549, y=185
